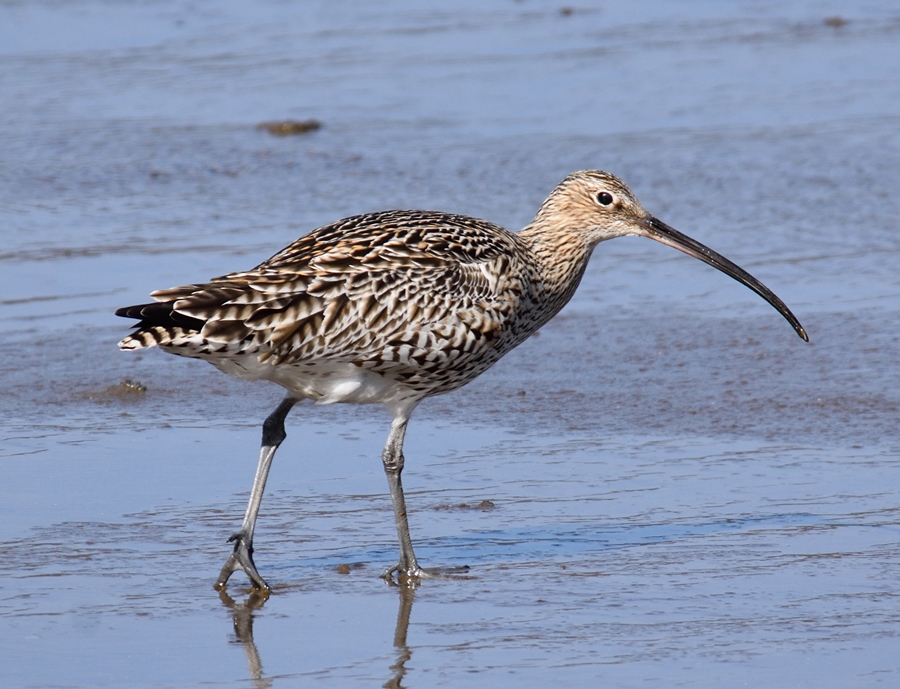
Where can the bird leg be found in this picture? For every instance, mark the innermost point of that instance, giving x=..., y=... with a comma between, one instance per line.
x=392, y=456
x=242, y=558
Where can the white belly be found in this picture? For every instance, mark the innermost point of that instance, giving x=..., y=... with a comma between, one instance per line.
x=324, y=383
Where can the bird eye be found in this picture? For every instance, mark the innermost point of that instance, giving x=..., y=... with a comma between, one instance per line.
x=604, y=198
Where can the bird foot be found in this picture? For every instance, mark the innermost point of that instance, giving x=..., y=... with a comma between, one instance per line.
x=411, y=576
x=407, y=576
x=241, y=559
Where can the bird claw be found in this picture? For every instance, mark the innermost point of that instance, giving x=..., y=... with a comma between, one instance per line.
x=241, y=559
x=406, y=576
x=411, y=576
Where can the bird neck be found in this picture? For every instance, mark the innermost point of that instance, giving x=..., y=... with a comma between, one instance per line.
x=560, y=255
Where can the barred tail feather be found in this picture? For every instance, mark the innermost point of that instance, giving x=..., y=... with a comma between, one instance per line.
x=156, y=335
x=158, y=324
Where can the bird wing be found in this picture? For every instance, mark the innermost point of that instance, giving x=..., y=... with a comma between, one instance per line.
x=392, y=290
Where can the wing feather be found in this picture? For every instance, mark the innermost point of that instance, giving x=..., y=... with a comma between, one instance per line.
x=387, y=290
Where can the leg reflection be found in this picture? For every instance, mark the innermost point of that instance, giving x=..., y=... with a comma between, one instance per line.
x=242, y=615
x=407, y=595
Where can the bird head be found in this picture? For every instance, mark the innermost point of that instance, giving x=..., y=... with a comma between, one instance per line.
x=594, y=206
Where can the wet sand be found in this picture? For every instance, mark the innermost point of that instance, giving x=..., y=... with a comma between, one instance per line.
x=665, y=487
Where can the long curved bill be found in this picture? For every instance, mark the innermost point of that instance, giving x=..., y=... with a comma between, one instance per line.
x=658, y=230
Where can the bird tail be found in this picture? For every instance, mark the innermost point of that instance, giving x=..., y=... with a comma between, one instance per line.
x=158, y=325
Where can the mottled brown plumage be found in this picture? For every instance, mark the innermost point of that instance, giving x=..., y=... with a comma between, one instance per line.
x=397, y=293
x=396, y=306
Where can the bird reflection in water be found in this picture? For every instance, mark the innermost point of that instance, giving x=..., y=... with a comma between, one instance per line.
x=407, y=595
x=242, y=616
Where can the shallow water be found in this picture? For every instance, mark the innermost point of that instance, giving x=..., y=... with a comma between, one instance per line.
x=665, y=487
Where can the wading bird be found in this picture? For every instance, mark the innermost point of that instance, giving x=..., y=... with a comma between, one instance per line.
x=394, y=307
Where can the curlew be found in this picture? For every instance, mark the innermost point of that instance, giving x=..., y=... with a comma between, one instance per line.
x=394, y=307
